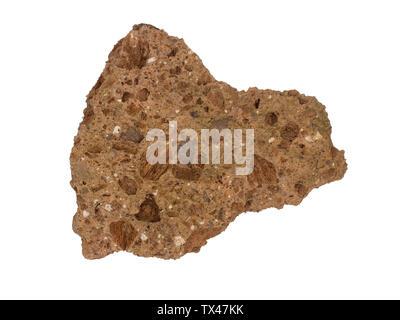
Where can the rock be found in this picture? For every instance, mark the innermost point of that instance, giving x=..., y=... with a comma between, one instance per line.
x=167, y=210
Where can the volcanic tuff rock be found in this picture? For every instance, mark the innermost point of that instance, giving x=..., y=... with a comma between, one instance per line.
x=165, y=210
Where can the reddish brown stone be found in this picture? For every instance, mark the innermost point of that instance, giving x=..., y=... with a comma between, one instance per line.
x=168, y=210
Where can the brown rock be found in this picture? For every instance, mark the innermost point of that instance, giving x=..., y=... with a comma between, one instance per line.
x=168, y=210
x=128, y=185
x=132, y=134
x=123, y=233
x=149, y=210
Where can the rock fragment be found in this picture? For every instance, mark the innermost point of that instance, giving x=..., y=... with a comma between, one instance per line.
x=167, y=210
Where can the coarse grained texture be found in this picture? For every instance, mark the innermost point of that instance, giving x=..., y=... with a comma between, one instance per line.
x=166, y=211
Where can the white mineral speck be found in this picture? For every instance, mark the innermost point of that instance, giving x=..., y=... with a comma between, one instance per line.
x=117, y=130
x=317, y=136
x=179, y=241
x=85, y=213
x=108, y=207
x=271, y=140
x=143, y=237
x=152, y=59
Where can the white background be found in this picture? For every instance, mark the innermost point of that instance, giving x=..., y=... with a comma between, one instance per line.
x=342, y=241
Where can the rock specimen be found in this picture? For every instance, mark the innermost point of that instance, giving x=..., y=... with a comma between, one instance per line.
x=168, y=210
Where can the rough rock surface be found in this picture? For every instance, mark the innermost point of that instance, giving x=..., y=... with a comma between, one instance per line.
x=169, y=210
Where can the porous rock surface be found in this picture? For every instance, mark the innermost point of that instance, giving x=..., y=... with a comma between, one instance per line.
x=166, y=211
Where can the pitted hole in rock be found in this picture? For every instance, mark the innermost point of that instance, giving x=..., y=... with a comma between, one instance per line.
x=300, y=189
x=125, y=96
x=173, y=52
x=290, y=131
x=149, y=210
x=271, y=118
x=194, y=114
x=143, y=94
